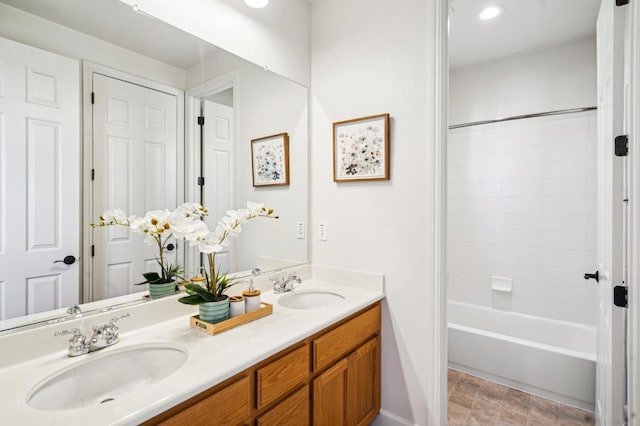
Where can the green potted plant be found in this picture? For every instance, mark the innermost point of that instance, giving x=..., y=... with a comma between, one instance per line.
x=213, y=304
x=164, y=283
x=211, y=297
x=158, y=226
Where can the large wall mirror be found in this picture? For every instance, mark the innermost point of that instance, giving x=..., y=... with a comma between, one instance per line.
x=80, y=81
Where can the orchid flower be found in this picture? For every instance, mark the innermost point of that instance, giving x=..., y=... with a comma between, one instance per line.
x=212, y=242
x=158, y=226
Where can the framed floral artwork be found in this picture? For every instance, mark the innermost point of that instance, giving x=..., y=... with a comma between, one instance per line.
x=270, y=160
x=361, y=149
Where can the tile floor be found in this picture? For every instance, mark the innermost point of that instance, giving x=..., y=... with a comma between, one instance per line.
x=473, y=401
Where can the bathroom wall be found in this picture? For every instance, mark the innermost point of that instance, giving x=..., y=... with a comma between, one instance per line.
x=556, y=78
x=522, y=194
x=37, y=32
x=372, y=57
x=266, y=104
x=276, y=37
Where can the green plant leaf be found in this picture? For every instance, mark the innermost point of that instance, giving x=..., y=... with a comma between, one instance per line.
x=150, y=277
x=203, y=293
x=162, y=281
x=194, y=299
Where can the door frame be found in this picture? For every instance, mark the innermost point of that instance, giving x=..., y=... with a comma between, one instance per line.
x=633, y=273
x=439, y=303
x=437, y=122
x=192, y=153
x=88, y=69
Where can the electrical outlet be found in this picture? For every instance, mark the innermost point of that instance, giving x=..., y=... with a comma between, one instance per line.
x=322, y=232
x=300, y=230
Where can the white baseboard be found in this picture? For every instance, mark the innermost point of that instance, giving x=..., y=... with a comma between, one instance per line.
x=387, y=418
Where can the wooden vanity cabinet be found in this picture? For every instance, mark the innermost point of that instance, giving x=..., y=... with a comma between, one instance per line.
x=330, y=378
x=348, y=393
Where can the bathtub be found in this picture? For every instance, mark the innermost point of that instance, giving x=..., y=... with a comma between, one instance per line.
x=550, y=358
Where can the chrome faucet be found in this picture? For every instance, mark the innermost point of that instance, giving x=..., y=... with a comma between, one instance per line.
x=282, y=286
x=103, y=335
x=79, y=344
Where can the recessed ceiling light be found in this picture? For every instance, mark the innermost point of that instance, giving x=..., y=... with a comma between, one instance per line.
x=490, y=12
x=258, y=4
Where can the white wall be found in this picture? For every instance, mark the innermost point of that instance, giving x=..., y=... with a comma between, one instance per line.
x=37, y=32
x=371, y=57
x=552, y=79
x=266, y=104
x=522, y=205
x=276, y=37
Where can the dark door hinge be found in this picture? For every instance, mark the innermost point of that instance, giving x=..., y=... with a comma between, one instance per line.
x=621, y=2
x=93, y=251
x=93, y=98
x=93, y=174
x=200, y=121
x=621, y=146
x=620, y=296
x=201, y=181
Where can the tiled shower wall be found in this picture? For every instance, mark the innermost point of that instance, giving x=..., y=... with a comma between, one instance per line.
x=522, y=205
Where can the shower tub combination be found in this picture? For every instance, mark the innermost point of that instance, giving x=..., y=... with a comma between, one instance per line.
x=550, y=358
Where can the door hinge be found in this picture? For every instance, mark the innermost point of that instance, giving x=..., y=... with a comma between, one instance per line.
x=621, y=146
x=93, y=98
x=93, y=174
x=200, y=181
x=621, y=2
x=620, y=296
x=200, y=121
x=93, y=251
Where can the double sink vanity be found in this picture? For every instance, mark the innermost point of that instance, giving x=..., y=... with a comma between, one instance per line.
x=314, y=360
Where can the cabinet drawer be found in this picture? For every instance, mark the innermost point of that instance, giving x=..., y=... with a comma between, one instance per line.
x=282, y=375
x=229, y=406
x=293, y=411
x=342, y=339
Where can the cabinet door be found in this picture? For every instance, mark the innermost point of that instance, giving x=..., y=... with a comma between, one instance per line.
x=293, y=411
x=364, y=383
x=330, y=396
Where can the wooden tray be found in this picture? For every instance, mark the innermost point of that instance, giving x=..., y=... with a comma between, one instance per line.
x=264, y=310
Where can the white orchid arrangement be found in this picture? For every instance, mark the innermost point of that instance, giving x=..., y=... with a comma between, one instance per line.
x=158, y=226
x=185, y=222
x=212, y=242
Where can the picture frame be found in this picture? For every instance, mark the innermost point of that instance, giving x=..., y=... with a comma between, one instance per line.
x=270, y=160
x=361, y=149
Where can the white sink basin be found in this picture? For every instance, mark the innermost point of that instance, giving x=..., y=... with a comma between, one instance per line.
x=102, y=378
x=311, y=299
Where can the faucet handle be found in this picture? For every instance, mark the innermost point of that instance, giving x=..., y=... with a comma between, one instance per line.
x=112, y=322
x=115, y=319
x=75, y=331
x=79, y=344
x=74, y=310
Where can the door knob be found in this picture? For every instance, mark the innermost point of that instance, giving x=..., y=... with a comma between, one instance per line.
x=68, y=260
x=595, y=276
x=170, y=246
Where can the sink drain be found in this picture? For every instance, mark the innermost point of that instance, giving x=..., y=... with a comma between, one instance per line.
x=107, y=400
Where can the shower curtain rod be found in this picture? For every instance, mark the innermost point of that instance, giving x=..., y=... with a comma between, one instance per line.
x=519, y=117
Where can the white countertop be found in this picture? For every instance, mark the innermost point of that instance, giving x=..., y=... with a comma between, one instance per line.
x=211, y=360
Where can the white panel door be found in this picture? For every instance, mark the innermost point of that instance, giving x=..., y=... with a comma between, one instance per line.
x=134, y=162
x=218, y=171
x=610, y=357
x=39, y=179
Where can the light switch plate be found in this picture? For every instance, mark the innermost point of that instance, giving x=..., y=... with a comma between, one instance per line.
x=300, y=230
x=322, y=232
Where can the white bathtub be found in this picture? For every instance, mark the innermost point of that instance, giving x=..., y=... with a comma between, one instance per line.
x=550, y=358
